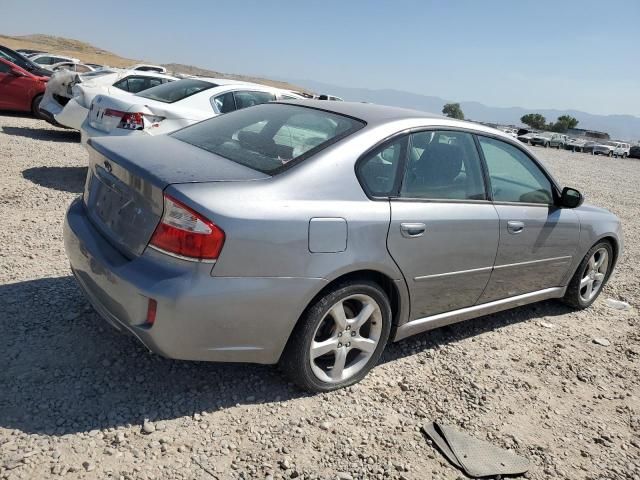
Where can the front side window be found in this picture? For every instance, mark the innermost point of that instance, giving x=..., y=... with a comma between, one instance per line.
x=378, y=170
x=514, y=176
x=44, y=61
x=269, y=137
x=443, y=165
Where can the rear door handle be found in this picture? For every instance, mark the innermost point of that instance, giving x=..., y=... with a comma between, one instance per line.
x=515, y=227
x=412, y=230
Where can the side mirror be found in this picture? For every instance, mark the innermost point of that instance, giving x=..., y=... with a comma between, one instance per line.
x=571, y=198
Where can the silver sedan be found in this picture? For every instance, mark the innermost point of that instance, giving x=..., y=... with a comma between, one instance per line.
x=311, y=234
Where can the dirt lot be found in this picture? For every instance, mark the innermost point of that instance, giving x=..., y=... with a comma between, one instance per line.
x=79, y=400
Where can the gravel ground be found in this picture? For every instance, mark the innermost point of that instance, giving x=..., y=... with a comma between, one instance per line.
x=79, y=400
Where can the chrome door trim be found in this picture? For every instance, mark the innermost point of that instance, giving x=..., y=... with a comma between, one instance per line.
x=450, y=274
x=434, y=321
x=532, y=262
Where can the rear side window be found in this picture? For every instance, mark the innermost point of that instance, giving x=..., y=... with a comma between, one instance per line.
x=246, y=99
x=445, y=165
x=4, y=68
x=378, y=170
x=175, y=91
x=230, y=101
x=269, y=137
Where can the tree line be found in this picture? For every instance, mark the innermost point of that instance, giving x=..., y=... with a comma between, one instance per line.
x=534, y=120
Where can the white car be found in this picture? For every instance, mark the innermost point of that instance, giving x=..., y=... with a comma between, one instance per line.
x=166, y=108
x=72, y=66
x=68, y=95
x=143, y=67
x=621, y=149
x=47, y=60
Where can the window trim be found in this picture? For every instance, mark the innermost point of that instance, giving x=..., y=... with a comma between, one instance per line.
x=397, y=182
x=555, y=189
x=395, y=194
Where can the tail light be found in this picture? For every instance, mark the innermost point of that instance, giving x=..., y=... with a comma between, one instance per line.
x=185, y=233
x=128, y=120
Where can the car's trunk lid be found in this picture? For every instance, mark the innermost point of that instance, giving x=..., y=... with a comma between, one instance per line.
x=127, y=176
x=100, y=119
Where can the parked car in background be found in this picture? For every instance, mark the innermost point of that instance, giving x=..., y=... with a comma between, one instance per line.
x=634, y=151
x=512, y=132
x=72, y=67
x=148, y=68
x=47, y=60
x=549, y=139
x=603, y=148
x=27, y=51
x=526, y=136
x=280, y=234
x=330, y=97
x=621, y=149
x=575, y=144
x=20, y=90
x=166, y=108
x=23, y=62
x=69, y=95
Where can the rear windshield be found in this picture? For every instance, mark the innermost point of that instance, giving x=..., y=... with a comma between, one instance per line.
x=97, y=73
x=175, y=91
x=269, y=137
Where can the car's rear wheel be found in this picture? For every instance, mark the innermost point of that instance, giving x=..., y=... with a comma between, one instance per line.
x=339, y=338
x=610, y=154
x=590, y=277
x=35, y=106
x=546, y=145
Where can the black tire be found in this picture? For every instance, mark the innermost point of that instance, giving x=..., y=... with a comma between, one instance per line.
x=35, y=106
x=296, y=358
x=546, y=145
x=610, y=154
x=572, y=296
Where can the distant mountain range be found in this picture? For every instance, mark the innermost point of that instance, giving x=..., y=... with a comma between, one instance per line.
x=623, y=127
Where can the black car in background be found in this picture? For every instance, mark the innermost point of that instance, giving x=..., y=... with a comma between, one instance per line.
x=634, y=152
x=23, y=62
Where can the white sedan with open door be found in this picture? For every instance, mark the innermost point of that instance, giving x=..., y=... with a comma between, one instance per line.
x=169, y=107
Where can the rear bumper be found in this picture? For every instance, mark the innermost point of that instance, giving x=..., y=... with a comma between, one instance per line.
x=199, y=316
x=71, y=115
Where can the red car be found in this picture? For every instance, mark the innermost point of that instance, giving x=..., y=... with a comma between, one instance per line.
x=20, y=90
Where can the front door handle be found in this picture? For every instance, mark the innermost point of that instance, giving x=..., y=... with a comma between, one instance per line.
x=515, y=227
x=412, y=230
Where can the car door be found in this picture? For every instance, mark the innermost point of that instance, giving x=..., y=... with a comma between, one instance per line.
x=14, y=88
x=443, y=232
x=537, y=238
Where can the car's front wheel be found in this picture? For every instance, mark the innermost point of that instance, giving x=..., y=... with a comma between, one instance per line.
x=590, y=277
x=339, y=338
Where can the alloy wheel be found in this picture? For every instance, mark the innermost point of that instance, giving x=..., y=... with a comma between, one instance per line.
x=594, y=274
x=346, y=338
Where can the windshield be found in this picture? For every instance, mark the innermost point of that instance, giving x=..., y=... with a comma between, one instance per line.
x=174, y=91
x=269, y=137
